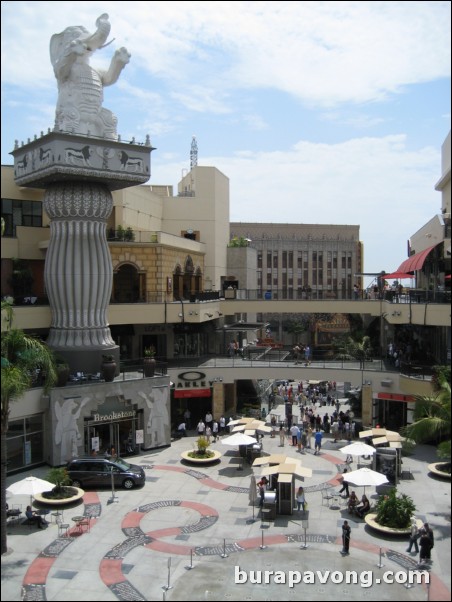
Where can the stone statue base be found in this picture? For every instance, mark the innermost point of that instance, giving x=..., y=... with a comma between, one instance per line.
x=59, y=157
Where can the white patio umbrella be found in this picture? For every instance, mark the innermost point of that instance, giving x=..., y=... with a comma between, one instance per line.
x=358, y=449
x=365, y=477
x=30, y=486
x=238, y=439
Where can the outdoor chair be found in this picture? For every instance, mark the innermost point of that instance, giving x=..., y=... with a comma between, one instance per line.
x=86, y=522
x=327, y=496
x=63, y=528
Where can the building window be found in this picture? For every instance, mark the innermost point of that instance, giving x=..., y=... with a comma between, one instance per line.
x=20, y=213
x=25, y=442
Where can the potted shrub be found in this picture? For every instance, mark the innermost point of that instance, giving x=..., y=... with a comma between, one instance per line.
x=149, y=361
x=129, y=234
x=120, y=232
x=395, y=511
x=108, y=367
x=202, y=445
x=62, y=481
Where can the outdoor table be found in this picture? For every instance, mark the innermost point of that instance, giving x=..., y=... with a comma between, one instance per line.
x=13, y=514
x=57, y=515
x=80, y=521
x=77, y=520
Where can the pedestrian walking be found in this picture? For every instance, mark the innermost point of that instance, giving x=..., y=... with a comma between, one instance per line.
x=426, y=543
x=414, y=536
x=282, y=436
x=318, y=442
x=346, y=534
x=344, y=484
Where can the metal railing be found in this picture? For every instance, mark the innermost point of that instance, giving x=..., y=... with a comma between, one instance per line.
x=414, y=296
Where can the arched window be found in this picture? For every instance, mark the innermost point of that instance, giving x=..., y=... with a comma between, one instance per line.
x=129, y=285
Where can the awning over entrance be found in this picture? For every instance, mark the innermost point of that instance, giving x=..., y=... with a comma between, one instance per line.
x=415, y=262
x=184, y=393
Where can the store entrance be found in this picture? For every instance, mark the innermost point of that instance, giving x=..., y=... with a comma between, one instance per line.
x=118, y=434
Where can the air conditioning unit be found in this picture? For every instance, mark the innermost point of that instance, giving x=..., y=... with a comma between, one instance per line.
x=386, y=383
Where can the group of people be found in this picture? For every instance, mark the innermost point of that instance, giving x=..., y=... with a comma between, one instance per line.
x=301, y=352
x=425, y=538
x=360, y=508
x=301, y=437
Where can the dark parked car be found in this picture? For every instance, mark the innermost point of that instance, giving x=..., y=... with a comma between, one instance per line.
x=96, y=472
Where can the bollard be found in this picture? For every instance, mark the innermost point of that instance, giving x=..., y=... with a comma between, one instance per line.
x=224, y=555
x=191, y=562
x=168, y=585
x=304, y=525
x=304, y=546
x=262, y=547
x=164, y=596
x=380, y=564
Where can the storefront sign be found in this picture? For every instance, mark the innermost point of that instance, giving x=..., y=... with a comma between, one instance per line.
x=113, y=416
x=395, y=397
x=191, y=379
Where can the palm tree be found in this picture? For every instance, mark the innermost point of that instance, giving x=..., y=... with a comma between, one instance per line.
x=22, y=355
x=351, y=349
x=295, y=328
x=432, y=419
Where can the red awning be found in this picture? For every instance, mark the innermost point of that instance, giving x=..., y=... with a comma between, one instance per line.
x=397, y=276
x=415, y=262
x=184, y=393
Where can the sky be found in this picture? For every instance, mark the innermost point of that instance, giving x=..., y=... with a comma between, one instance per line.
x=317, y=112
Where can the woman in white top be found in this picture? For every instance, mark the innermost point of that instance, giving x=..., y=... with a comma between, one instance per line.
x=301, y=500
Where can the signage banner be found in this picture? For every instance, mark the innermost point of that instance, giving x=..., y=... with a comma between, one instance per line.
x=184, y=393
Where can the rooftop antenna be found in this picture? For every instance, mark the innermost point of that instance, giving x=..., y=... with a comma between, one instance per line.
x=193, y=153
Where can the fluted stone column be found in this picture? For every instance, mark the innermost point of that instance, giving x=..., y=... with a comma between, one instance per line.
x=78, y=272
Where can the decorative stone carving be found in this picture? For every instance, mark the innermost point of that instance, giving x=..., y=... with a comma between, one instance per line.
x=80, y=87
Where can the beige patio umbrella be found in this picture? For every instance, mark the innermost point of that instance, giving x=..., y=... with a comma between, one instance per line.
x=240, y=421
x=288, y=466
x=271, y=459
x=255, y=425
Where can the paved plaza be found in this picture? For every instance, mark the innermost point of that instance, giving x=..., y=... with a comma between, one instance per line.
x=193, y=529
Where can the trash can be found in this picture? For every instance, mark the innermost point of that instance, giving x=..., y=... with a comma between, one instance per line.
x=268, y=295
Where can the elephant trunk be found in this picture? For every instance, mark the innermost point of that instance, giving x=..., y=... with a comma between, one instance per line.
x=99, y=37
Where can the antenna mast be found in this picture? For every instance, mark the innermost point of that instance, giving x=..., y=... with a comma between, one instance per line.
x=193, y=153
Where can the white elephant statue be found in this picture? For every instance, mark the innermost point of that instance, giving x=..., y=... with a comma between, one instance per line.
x=80, y=87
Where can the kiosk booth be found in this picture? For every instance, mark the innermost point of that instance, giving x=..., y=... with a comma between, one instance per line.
x=282, y=481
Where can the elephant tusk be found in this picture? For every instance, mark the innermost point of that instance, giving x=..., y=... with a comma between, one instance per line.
x=107, y=44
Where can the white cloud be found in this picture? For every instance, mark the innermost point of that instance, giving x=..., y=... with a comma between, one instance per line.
x=320, y=52
x=376, y=183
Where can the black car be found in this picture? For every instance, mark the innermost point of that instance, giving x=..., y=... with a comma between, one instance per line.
x=96, y=472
